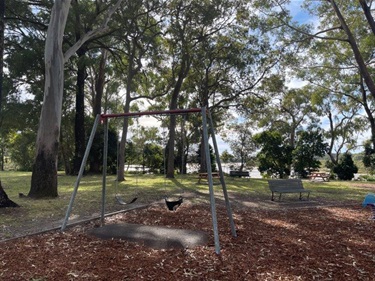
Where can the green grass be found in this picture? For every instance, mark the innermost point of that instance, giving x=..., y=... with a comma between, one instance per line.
x=147, y=188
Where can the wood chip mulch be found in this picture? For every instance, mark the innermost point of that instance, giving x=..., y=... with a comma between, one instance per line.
x=325, y=243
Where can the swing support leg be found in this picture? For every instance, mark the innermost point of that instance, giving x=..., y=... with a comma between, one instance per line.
x=222, y=180
x=104, y=181
x=80, y=173
x=210, y=182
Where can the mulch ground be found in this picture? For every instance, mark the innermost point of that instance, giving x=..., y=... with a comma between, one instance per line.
x=285, y=242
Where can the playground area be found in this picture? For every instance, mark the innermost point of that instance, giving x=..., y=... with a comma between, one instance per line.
x=329, y=237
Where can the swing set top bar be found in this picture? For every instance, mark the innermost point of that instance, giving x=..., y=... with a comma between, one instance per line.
x=160, y=112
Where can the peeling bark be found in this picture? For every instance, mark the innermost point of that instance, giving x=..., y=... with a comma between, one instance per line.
x=44, y=175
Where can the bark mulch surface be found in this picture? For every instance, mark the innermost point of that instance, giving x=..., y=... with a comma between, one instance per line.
x=282, y=242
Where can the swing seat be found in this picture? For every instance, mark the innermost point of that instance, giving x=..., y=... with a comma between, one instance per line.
x=173, y=205
x=122, y=202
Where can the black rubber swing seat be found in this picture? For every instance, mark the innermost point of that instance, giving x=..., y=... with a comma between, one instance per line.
x=122, y=202
x=173, y=205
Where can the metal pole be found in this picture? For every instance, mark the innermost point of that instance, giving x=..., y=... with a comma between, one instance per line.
x=222, y=180
x=81, y=170
x=105, y=155
x=183, y=121
x=210, y=181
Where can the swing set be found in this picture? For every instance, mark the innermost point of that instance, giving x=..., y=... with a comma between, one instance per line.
x=206, y=117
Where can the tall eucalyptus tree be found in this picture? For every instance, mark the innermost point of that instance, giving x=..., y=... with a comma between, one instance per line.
x=340, y=62
x=203, y=57
x=283, y=109
x=26, y=23
x=138, y=57
x=338, y=58
x=343, y=45
x=83, y=17
x=229, y=65
x=44, y=175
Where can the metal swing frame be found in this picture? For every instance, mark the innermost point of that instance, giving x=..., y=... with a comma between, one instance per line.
x=103, y=118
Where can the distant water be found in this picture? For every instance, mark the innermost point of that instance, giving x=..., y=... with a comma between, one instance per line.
x=254, y=173
x=191, y=168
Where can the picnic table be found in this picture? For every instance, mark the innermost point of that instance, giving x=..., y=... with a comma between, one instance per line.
x=319, y=175
x=204, y=176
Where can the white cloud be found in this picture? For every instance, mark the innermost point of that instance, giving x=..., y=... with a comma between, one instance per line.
x=296, y=83
x=149, y=121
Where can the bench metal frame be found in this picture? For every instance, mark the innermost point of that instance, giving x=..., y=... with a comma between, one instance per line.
x=287, y=186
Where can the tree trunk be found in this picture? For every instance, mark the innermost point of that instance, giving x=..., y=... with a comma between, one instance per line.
x=332, y=156
x=99, y=84
x=121, y=152
x=4, y=199
x=368, y=15
x=185, y=66
x=79, y=122
x=2, y=27
x=2, y=158
x=131, y=72
x=357, y=53
x=171, y=142
x=369, y=113
x=203, y=162
x=44, y=174
x=64, y=154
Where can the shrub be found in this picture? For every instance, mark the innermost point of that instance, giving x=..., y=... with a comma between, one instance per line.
x=346, y=168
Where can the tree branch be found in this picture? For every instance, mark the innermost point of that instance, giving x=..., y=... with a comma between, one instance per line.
x=320, y=32
x=93, y=33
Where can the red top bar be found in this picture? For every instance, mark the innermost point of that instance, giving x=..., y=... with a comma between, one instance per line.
x=161, y=112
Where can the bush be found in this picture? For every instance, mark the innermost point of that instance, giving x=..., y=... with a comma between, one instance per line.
x=22, y=149
x=346, y=168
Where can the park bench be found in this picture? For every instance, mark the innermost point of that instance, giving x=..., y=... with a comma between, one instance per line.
x=287, y=186
x=239, y=174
